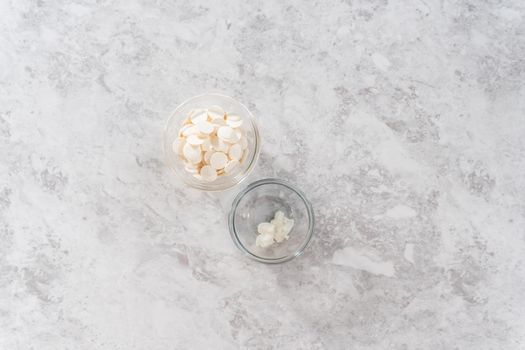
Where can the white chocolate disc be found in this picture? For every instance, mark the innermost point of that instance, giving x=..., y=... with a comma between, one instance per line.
x=199, y=115
x=224, y=147
x=218, y=123
x=218, y=160
x=191, y=130
x=184, y=128
x=208, y=173
x=233, y=117
x=226, y=133
x=205, y=127
x=192, y=153
x=216, y=112
x=207, y=156
x=234, y=123
x=206, y=145
x=214, y=141
x=235, y=152
x=192, y=112
x=235, y=138
x=219, y=145
x=191, y=168
x=194, y=140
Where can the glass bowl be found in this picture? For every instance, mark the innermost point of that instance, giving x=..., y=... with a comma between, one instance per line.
x=231, y=106
x=258, y=203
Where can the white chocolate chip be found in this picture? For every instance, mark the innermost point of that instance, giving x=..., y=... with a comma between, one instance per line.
x=192, y=153
x=191, y=130
x=235, y=138
x=226, y=133
x=234, y=117
x=194, y=140
x=205, y=127
x=223, y=147
x=214, y=140
x=218, y=160
x=216, y=126
x=207, y=157
x=206, y=145
x=191, y=168
x=184, y=128
x=208, y=173
x=219, y=145
x=234, y=123
x=235, y=152
x=217, y=123
x=199, y=115
x=216, y=112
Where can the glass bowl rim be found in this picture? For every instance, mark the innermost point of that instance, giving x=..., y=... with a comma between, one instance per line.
x=249, y=188
x=253, y=160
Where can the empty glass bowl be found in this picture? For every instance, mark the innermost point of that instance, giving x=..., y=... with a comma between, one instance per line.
x=258, y=203
x=231, y=106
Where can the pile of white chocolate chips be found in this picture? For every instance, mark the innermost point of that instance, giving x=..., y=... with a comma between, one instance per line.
x=211, y=143
x=276, y=230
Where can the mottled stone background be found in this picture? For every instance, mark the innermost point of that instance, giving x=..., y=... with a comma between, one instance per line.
x=404, y=122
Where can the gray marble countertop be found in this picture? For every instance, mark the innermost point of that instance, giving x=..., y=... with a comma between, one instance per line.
x=404, y=123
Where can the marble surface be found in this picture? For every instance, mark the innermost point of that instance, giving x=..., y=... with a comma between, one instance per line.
x=404, y=123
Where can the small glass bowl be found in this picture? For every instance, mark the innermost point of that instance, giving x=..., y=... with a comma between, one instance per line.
x=258, y=203
x=230, y=105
